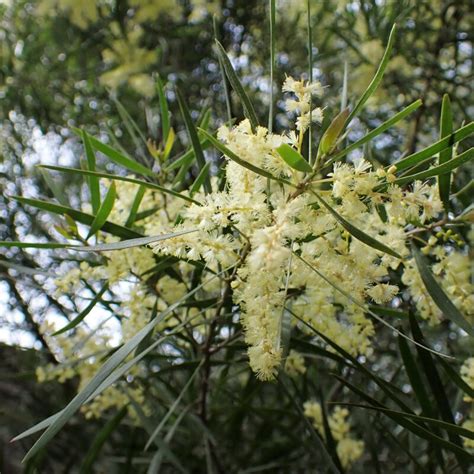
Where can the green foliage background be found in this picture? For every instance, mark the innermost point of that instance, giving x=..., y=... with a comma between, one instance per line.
x=51, y=80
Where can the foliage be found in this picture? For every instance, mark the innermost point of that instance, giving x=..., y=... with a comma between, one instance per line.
x=238, y=285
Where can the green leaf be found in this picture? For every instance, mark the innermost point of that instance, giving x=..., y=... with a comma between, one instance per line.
x=231, y=155
x=135, y=206
x=439, y=170
x=157, y=460
x=164, y=112
x=363, y=306
x=205, y=118
x=284, y=326
x=57, y=191
x=24, y=269
x=185, y=159
x=193, y=136
x=357, y=233
x=456, y=378
x=110, y=365
x=446, y=128
x=388, y=388
x=173, y=406
x=133, y=129
x=330, y=443
x=438, y=295
x=92, y=181
x=377, y=131
x=416, y=377
x=293, y=158
x=330, y=136
x=391, y=312
x=106, y=375
x=409, y=425
x=202, y=176
x=377, y=78
x=116, y=156
x=126, y=244
x=249, y=111
x=318, y=445
x=430, y=151
x=146, y=184
x=74, y=322
x=434, y=380
x=104, y=211
x=33, y=245
x=421, y=419
x=169, y=144
x=112, y=378
x=99, y=441
x=272, y=17
x=78, y=216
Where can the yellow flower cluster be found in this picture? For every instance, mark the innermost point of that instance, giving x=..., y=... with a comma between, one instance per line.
x=348, y=449
x=268, y=222
x=294, y=364
x=453, y=269
x=274, y=235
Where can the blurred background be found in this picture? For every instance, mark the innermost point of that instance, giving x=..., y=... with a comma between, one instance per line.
x=68, y=63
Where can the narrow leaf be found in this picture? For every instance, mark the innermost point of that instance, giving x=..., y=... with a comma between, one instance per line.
x=145, y=184
x=272, y=18
x=78, y=216
x=116, y=156
x=173, y=407
x=202, y=176
x=377, y=78
x=33, y=245
x=330, y=136
x=231, y=155
x=99, y=441
x=409, y=425
x=237, y=86
x=386, y=387
x=430, y=151
x=293, y=158
x=422, y=419
x=446, y=128
x=164, y=112
x=363, y=306
x=319, y=446
x=330, y=443
x=133, y=129
x=416, y=377
x=438, y=295
x=434, y=380
x=24, y=269
x=57, y=191
x=74, y=322
x=377, y=131
x=439, y=170
x=126, y=244
x=106, y=375
x=169, y=144
x=357, y=233
x=391, y=312
x=193, y=136
x=135, y=206
x=104, y=210
x=92, y=180
x=456, y=378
